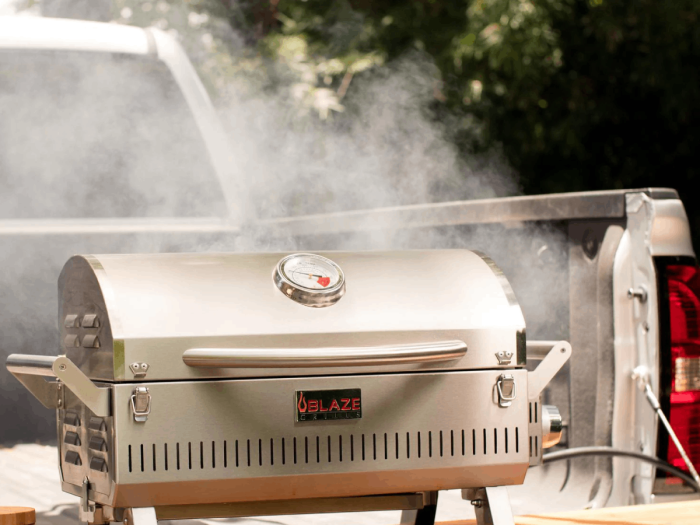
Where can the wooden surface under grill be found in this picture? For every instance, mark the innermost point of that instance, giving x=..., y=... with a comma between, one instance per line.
x=679, y=513
x=29, y=478
x=17, y=516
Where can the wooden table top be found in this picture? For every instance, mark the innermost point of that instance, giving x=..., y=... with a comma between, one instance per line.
x=678, y=513
x=17, y=516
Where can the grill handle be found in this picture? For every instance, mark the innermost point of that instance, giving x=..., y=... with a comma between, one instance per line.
x=30, y=370
x=324, y=357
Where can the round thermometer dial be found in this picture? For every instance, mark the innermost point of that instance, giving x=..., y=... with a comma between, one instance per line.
x=310, y=279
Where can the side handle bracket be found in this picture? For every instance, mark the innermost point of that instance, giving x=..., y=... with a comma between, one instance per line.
x=29, y=369
x=557, y=353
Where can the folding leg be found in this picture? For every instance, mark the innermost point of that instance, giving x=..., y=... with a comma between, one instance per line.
x=492, y=506
x=140, y=516
x=424, y=516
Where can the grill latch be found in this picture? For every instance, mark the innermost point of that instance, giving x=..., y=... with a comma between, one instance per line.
x=141, y=404
x=506, y=390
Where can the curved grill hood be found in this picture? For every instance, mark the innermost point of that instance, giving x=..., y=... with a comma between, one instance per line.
x=119, y=310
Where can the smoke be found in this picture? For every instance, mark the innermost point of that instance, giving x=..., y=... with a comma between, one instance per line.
x=95, y=135
x=391, y=152
x=388, y=149
x=109, y=136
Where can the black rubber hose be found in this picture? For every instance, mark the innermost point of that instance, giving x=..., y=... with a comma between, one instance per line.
x=578, y=452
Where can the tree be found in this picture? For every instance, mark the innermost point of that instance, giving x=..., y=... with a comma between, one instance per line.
x=581, y=94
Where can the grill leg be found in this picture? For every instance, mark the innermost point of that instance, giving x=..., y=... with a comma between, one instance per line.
x=492, y=506
x=141, y=516
x=424, y=516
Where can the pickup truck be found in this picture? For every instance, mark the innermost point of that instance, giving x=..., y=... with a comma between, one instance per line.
x=109, y=142
x=613, y=272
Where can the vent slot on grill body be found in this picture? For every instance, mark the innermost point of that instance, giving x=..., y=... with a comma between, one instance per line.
x=534, y=433
x=281, y=452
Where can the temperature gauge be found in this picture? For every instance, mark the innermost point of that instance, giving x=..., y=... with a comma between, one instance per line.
x=310, y=279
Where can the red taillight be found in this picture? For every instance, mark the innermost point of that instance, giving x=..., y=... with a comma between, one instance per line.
x=684, y=308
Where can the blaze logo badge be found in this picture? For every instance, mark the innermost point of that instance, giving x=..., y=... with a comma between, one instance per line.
x=327, y=405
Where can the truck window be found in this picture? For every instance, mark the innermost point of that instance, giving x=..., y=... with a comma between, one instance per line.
x=93, y=134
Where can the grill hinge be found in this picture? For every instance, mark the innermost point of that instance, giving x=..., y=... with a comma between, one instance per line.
x=139, y=369
x=141, y=404
x=504, y=357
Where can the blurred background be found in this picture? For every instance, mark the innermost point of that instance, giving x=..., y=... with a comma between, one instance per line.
x=326, y=106
x=558, y=95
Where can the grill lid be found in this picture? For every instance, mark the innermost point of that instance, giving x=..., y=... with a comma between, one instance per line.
x=190, y=316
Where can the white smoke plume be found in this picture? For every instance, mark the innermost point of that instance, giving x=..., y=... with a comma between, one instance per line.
x=88, y=136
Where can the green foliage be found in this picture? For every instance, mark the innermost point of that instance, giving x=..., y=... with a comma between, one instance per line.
x=580, y=94
x=609, y=101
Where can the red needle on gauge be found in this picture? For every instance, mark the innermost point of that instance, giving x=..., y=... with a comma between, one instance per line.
x=323, y=281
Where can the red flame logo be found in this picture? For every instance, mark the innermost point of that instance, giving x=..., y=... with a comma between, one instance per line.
x=301, y=405
x=324, y=281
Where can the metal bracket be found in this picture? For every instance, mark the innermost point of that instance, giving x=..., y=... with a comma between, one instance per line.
x=28, y=369
x=141, y=404
x=558, y=354
x=46, y=392
x=506, y=390
x=504, y=357
x=86, y=512
x=422, y=516
x=139, y=369
x=491, y=505
x=140, y=516
x=640, y=293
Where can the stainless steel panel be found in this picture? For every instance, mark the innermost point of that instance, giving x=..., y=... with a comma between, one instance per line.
x=483, y=346
x=159, y=306
x=83, y=289
x=245, y=430
x=306, y=486
x=76, y=418
x=27, y=367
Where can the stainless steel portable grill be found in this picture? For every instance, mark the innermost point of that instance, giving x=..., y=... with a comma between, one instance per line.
x=212, y=385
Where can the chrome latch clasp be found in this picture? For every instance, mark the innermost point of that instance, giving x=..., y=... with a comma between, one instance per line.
x=506, y=390
x=141, y=404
